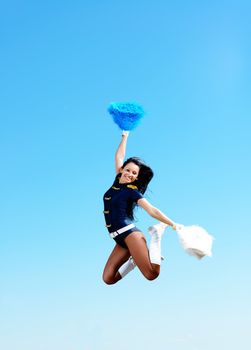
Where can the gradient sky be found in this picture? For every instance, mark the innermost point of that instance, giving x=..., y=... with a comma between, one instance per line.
x=61, y=64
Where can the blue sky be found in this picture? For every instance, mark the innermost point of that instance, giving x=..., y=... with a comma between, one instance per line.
x=62, y=63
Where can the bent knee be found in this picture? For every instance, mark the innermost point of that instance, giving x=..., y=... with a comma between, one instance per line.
x=108, y=279
x=151, y=275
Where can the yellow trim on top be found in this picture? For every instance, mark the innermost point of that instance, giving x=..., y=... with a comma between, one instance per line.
x=133, y=187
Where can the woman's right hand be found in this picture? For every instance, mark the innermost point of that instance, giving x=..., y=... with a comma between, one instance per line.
x=125, y=133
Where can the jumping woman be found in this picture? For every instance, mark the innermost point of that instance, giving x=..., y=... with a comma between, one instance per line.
x=132, y=179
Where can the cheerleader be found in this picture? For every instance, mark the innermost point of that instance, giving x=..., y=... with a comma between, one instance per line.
x=127, y=191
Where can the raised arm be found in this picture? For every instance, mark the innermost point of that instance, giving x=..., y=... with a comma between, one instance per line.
x=121, y=151
x=156, y=213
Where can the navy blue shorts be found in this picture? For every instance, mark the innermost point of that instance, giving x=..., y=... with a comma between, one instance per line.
x=120, y=239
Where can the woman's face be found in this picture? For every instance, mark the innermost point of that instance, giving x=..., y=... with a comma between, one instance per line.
x=129, y=173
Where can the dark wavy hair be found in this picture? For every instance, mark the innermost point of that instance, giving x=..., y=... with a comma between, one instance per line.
x=144, y=177
x=145, y=173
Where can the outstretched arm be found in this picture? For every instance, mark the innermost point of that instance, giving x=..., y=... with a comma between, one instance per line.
x=121, y=151
x=156, y=213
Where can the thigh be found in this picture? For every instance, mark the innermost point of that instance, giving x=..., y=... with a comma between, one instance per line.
x=118, y=256
x=137, y=246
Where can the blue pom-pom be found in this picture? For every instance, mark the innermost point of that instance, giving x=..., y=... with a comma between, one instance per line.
x=126, y=115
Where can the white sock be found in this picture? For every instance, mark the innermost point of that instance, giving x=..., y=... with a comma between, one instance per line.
x=127, y=267
x=156, y=232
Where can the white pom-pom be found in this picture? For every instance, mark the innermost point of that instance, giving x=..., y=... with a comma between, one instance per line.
x=195, y=240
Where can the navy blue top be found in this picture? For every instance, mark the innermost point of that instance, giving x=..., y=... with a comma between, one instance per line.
x=117, y=202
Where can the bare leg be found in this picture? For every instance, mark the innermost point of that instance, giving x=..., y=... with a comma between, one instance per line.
x=137, y=246
x=118, y=257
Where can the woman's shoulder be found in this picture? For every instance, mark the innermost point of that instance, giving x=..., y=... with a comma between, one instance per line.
x=134, y=192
